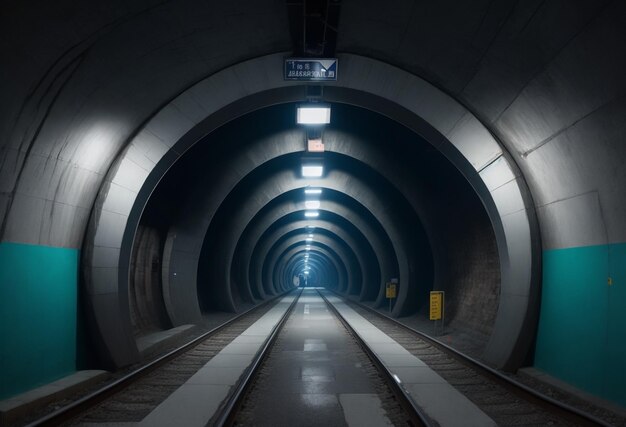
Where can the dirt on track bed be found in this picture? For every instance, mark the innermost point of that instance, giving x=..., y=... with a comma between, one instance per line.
x=501, y=405
x=136, y=401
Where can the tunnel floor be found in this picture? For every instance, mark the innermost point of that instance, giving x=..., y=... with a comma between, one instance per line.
x=316, y=375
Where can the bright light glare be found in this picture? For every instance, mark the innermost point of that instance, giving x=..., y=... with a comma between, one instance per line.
x=309, y=239
x=311, y=214
x=310, y=226
x=306, y=272
x=313, y=115
x=312, y=204
x=310, y=235
x=312, y=171
x=312, y=191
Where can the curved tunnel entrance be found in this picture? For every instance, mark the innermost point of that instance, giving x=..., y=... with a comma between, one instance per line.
x=231, y=222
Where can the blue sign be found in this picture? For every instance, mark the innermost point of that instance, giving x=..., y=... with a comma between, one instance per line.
x=311, y=69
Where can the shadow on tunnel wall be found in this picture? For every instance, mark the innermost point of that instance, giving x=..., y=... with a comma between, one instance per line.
x=442, y=232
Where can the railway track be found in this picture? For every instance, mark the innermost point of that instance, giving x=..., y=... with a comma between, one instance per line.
x=242, y=408
x=131, y=398
x=134, y=395
x=506, y=401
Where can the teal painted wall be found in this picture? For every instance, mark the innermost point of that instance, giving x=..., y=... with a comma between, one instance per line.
x=582, y=326
x=38, y=315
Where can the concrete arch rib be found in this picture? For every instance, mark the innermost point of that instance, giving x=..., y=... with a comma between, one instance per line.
x=332, y=242
x=282, y=260
x=442, y=120
x=321, y=267
x=374, y=236
x=406, y=245
x=368, y=265
x=326, y=274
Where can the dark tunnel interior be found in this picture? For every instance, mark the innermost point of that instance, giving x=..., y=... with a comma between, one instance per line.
x=244, y=205
x=157, y=181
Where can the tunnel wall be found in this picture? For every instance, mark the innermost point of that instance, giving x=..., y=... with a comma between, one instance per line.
x=437, y=117
x=539, y=75
x=584, y=319
x=38, y=315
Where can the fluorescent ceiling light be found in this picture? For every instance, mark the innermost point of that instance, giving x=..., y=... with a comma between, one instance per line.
x=312, y=191
x=312, y=204
x=310, y=115
x=311, y=214
x=312, y=171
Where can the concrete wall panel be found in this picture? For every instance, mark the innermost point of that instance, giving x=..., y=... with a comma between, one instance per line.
x=383, y=72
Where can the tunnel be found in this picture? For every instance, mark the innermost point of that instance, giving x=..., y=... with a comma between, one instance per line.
x=156, y=178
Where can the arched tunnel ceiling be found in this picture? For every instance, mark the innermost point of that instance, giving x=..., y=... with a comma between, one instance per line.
x=227, y=196
x=525, y=98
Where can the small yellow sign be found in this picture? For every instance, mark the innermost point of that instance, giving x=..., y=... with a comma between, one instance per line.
x=436, y=305
x=390, y=290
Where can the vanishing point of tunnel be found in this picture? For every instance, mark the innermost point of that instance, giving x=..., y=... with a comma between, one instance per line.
x=167, y=167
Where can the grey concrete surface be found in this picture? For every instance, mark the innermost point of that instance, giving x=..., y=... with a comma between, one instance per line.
x=428, y=390
x=289, y=255
x=279, y=259
x=366, y=259
x=469, y=129
x=17, y=407
x=314, y=374
x=360, y=219
x=546, y=78
x=197, y=400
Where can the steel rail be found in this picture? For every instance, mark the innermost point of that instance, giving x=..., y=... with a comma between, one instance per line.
x=523, y=391
x=226, y=412
x=83, y=404
x=404, y=398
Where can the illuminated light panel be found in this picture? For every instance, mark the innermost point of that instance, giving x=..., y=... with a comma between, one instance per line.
x=312, y=204
x=312, y=171
x=309, y=115
x=309, y=239
x=311, y=214
x=312, y=191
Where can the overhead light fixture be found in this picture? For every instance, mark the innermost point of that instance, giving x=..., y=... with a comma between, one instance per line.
x=312, y=171
x=311, y=214
x=312, y=191
x=309, y=239
x=306, y=272
x=312, y=204
x=313, y=115
x=310, y=235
